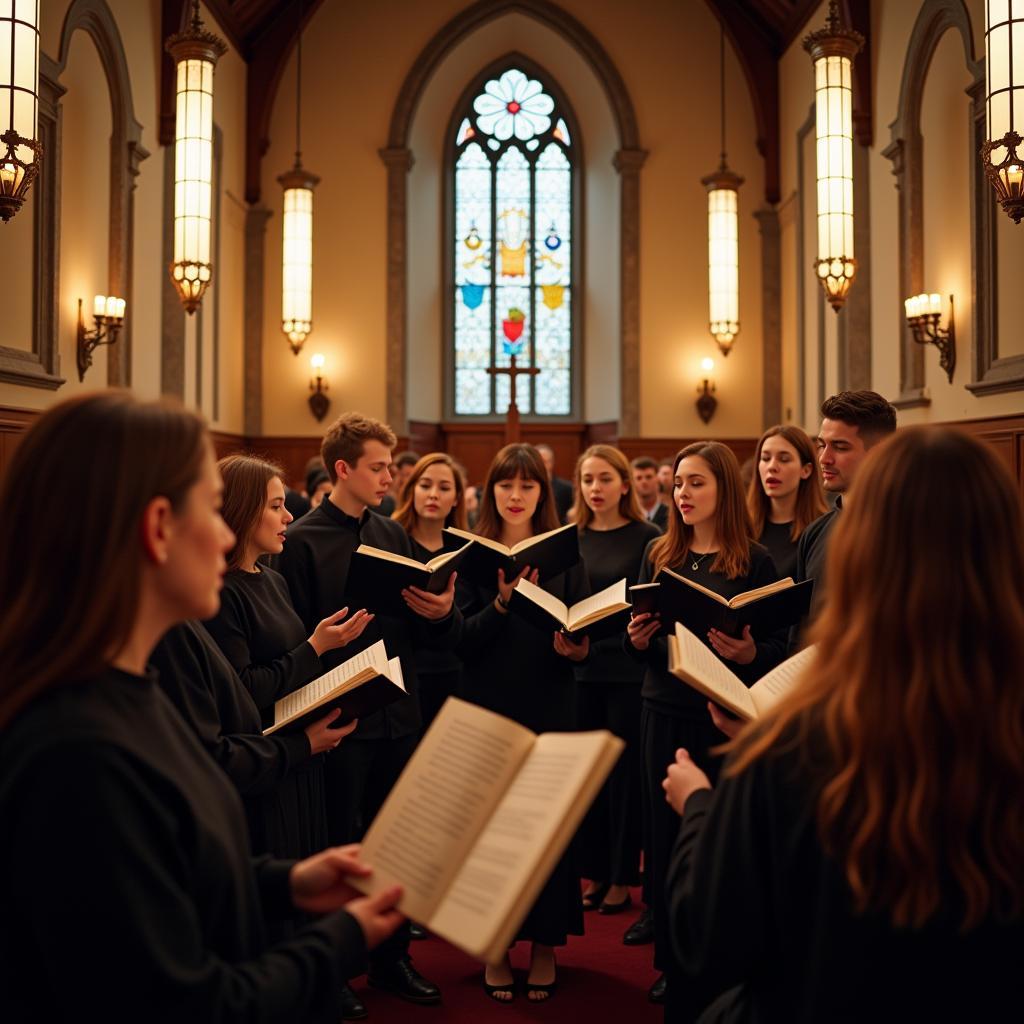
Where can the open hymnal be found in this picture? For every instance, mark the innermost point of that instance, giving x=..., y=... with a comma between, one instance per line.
x=765, y=609
x=549, y=553
x=478, y=820
x=376, y=578
x=365, y=683
x=546, y=612
x=696, y=664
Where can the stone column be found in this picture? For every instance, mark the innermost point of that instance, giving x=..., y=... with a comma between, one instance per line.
x=172, y=314
x=771, y=315
x=256, y=218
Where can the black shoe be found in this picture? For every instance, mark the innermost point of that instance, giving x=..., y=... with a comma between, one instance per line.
x=641, y=931
x=616, y=908
x=352, y=1007
x=403, y=980
x=592, y=900
x=417, y=932
x=656, y=993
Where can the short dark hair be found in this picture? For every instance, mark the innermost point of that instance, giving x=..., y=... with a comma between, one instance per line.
x=868, y=411
x=406, y=459
x=644, y=462
x=667, y=462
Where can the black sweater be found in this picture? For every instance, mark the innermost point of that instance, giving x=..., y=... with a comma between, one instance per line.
x=755, y=900
x=126, y=876
x=775, y=537
x=315, y=565
x=668, y=695
x=610, y=555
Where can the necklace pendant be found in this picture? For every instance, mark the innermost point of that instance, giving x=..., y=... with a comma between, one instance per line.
x=695, y=566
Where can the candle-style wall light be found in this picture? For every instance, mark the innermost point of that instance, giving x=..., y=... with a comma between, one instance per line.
x=319, y=403
x=924, y=315
x=108, y=318
x=706, y=401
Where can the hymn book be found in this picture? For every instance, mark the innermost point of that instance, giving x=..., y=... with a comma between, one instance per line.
x=550, y=553
x=376, y=578
x=365, y=683
x=764, y=609
x=598, y=613
x=478, y=820
x=696, y=664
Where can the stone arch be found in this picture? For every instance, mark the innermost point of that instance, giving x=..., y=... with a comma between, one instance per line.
x=906, y=151
x=398, y=159
x=126, y=154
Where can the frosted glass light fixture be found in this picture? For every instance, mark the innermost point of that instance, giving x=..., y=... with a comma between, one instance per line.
x=195, y=53
x=1004, y=103
x=832, y=50
x=723, y=240
x=20, y=150
x=297, y=231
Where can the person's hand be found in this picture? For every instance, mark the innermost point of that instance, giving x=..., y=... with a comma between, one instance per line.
x=724, y=722
x=378, y=915
x=742, y=650
x=641, y=629
x=505, y=588
x=320, y=884
x=571, y=649
x=431, y=606
x=684, y=778
x=322, y=737
x=332, y=633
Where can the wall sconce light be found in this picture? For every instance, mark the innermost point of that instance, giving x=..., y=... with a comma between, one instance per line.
x=923, y=315
x=706, y=401
x=1004, y=104
x=108, y=316
x=318, y=401
x=832, y=50
x=20, y=150
x=195, y=54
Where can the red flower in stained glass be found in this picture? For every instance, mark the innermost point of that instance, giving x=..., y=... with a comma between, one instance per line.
x=513, y=107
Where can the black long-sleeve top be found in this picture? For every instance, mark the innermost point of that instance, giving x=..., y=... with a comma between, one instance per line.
x=661, y=690
x=126, y=878
x=511, y=667
x=315, y=565
x=811, y=557
x=611, y=555
x=777, y=539
x=259, y=633
x=755, y=900
x=430, y=659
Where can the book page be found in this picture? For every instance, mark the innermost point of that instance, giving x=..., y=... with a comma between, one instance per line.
x=504, y=871
x=539, y=596
x=367, y=663
x=486, y=541
x=441, y=803
x=773, y=686
x=695, y=663
x=696, y=586
x=597, y=606
x=753, y=595
x=530, y=541
x=388, y=556
x=394, y=673
x=438, y=560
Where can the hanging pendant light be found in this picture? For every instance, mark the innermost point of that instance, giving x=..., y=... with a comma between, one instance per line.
x=20, y=150
x=723, y=239
x=297, y=232
x=1004, y=104
x=832, y=50
x=195, y=55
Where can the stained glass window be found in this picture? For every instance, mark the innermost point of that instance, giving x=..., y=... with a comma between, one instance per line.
x=512, y=238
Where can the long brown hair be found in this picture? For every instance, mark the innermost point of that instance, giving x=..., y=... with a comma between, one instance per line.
x=524, y=461
x=629, y=507
x=70, y=574
x=915, y=692
x=245, y=497
x=810, y=497
x=732, y=523
x=405, y=514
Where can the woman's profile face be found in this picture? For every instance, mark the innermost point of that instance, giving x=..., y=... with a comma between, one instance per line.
x=268, y=537
x=696, y=490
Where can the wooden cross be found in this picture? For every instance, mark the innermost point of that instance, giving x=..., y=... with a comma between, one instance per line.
x=512, y=417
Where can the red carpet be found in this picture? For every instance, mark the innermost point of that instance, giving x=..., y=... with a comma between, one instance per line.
x=599, y=979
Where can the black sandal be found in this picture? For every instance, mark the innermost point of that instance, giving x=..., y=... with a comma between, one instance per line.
x=593, y=899
x=510, y=987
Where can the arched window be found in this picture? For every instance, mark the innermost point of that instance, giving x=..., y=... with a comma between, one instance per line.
x=511, y=247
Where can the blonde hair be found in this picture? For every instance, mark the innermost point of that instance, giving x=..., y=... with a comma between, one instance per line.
x=582, y=514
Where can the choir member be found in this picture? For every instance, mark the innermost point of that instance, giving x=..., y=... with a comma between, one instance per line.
x=784, y=496
x=648, y=491
x=526, y=674
x=561, y=489
x=128, y=881
x=708, y=541
x=433, y=497
x=613, y=535
x=315, y=562
x=861, y=856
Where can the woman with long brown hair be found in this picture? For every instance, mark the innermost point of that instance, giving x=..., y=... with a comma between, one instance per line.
x=127, y=876
x=862, y=854
x=785, y=494
x=432, y=498
x=525, y=673
x=613, y=535
x=707, y=541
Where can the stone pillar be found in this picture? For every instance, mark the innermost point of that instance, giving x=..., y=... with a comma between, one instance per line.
x=771, y=315
x=256, y=218
x=172, y=314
